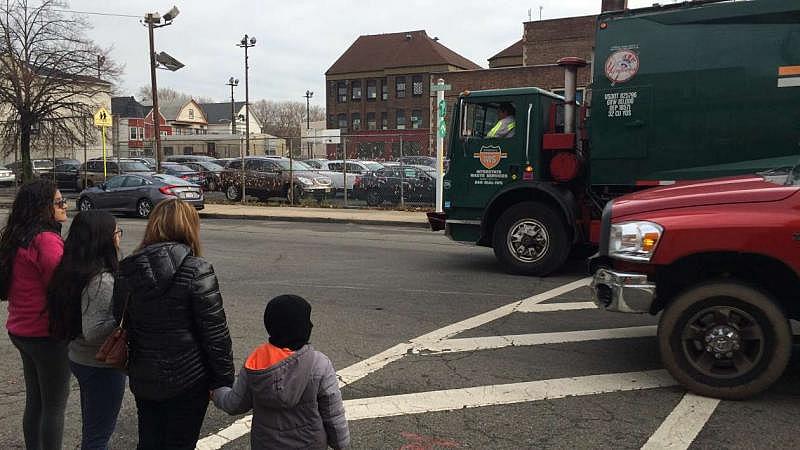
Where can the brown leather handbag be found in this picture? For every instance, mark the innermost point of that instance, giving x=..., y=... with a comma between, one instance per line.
x=114, y=350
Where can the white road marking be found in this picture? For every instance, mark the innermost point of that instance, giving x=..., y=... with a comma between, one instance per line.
x=363, y=368
x=683, y=424
x=490, y=316
x=503, y=394
x=555, y=307
x=519, y=340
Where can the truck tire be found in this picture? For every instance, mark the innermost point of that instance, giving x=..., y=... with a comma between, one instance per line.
x=530, y=238
x=724, y=339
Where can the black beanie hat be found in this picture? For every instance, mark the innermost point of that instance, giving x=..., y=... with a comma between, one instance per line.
x=287, y=319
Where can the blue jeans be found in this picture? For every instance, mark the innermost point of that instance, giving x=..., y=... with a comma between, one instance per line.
x=101, y=397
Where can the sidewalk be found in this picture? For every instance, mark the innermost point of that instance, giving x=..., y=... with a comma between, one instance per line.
x=415, y=219
x=323, y=215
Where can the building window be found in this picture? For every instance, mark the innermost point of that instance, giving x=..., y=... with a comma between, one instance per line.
x=416, y=83
x=133, y=133
x=401, y=119
x=191, y=113
x=400, y=86
x=331, y=121
x=372, y=90
x=343, y=122
x=415, y=118
x=141, y=133
x=384, y=89
x=371, y=124
x=341, y=87
x=356, y=121
x=356, y=91
x=384, y=121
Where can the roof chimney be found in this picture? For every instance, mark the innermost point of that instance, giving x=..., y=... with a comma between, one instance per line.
x=613, y=5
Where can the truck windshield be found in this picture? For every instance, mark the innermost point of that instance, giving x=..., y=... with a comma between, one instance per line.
x=478, y=119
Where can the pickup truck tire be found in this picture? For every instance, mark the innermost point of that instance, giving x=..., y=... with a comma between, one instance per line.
x=233, y=193
x=724, y=339
x=530, y=238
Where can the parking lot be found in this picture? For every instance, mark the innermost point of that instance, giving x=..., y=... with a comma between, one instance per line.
x=437, y=348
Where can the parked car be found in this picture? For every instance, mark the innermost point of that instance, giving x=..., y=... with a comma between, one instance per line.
x=139, y=194
x=188, y=158
x=67, y=176
x=317, y=163
x=334, y=170
x=418, y=160
x=40, y=166
x=418, y=185
x=210, y=172
x=95, y=175
x=267, y=177
x=6, y=176
x=184, y=172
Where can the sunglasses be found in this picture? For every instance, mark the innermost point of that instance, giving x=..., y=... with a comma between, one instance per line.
x=61, y=203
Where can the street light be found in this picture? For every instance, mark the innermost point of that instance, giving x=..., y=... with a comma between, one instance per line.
x=245, y=43
x=233, y=82
x=152, y=21
x=308, y=96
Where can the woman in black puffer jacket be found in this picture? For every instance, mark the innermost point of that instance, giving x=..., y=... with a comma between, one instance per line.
x=179, y=344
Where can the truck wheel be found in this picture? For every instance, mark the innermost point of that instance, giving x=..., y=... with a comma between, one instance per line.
x=233, y=193
x=724, y=339
x=530, y=238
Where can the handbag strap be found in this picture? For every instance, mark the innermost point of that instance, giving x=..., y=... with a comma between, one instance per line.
x=124, y=312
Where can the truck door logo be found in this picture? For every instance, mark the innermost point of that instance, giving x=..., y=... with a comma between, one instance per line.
x=622, y=66
x=490, y=156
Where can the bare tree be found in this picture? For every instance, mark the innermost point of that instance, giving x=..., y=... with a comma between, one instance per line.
x=285, y=119
x=49, y=75
x=169, y=97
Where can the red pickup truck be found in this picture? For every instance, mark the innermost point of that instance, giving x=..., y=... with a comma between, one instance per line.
x=720, y=260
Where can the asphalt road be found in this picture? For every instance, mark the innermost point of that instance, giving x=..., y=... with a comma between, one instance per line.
x=400, y=291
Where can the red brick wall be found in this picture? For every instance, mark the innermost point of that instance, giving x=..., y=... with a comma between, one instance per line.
x=547, y=41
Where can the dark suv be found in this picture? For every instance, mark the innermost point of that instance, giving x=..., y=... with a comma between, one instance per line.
x=94, y=170
x=412, y=183
x=267, y=177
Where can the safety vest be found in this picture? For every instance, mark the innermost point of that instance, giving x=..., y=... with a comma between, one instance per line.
x=503, y=128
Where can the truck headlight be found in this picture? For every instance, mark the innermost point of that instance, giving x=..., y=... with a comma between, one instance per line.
x=306, y=181
x=634, y=241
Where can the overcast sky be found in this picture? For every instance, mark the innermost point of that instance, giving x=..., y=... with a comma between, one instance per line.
x=298, y=40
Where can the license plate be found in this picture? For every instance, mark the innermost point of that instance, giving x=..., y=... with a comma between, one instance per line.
x=190, y=195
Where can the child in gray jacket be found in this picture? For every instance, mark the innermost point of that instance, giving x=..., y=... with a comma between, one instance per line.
x=291, y=388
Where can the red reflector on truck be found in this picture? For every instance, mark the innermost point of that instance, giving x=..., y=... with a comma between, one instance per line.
x=558, y=141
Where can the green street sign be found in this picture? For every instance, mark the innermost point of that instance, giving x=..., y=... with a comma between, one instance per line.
x=443, y=87
x=442, y=128
x=442, y=108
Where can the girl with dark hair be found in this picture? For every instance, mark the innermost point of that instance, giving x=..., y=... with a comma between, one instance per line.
x=30, y=249
x=79, y=302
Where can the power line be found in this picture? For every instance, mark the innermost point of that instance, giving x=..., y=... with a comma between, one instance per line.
x=96, y=13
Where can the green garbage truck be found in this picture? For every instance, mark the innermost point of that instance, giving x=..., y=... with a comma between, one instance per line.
x=680, y=92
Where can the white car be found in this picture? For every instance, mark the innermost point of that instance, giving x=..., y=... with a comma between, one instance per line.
x=6, y=176
x=334, y=169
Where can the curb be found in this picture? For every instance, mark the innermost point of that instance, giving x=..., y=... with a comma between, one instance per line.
x=403, y=224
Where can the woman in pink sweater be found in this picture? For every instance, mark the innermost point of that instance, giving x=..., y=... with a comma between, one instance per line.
x=30, y=249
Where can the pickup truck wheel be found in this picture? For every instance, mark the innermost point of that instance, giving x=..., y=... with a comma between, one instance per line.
x=724, y=339
x=530, y=238
x=233, y=193
x=294, y=195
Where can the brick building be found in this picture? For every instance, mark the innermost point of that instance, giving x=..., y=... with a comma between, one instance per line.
x=530, y=61
x=378, y=92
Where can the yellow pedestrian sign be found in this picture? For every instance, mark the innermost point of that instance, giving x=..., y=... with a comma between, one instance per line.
x=102, y=118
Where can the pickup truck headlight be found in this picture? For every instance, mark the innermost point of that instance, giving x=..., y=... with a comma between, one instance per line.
x=306, y=181
x=634, y=241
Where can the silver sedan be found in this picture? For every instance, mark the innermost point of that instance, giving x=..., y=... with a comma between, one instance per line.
x=139, y=194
